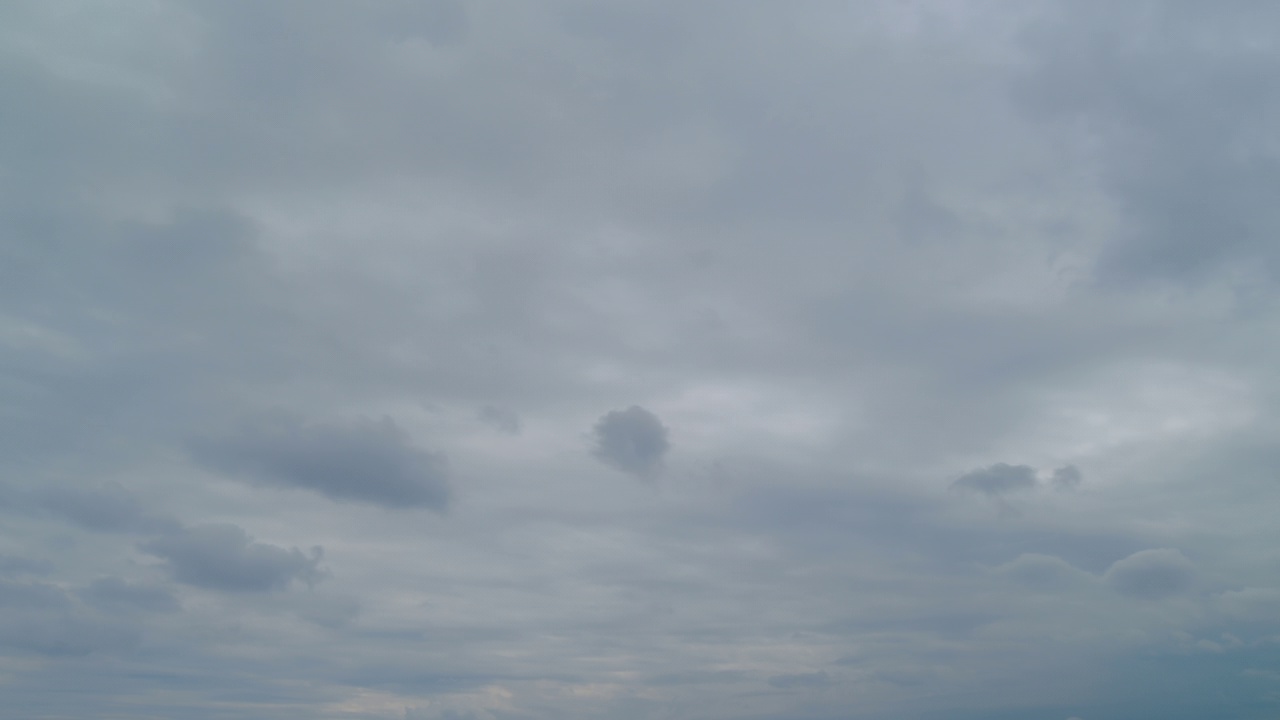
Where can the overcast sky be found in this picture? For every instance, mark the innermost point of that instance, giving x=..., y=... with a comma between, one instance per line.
x=660, y=360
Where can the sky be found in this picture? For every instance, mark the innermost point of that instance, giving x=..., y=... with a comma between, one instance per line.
x=435, y=360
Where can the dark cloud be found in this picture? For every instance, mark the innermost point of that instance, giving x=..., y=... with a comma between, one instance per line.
x=107, y=508
x=1067, y=477
x=363, y=461
x=225, y=557
x=632, y=440
x=998, y=479
x=1152, y=574
x=113, y=594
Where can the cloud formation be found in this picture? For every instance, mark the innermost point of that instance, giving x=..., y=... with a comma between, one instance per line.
x=998, y=479
x=1152, y=574
x=224, y=557
x=1067, y=477
x=363, y=461
x=824, y=262
x=633, y=440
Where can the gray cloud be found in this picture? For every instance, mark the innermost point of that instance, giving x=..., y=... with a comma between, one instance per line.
x=1044, y=572
x=225, y=557
x=998, y=479
x=1067, y=477
x=1152, y=574
x=213, y=209
x=108, y=508
x=364, y=461
x=1180, y=115
x=632, y=440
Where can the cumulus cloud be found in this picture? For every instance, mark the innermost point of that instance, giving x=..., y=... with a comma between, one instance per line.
x=363, y=461
x=225, y=557
x=632, y=440
x=1152, y=574
x=998, y=479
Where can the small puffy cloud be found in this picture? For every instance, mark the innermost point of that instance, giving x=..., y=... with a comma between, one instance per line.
x=107, y=508
x=500, y=418
x=1067, y=477
x=365, y=461
x=225, y=557
x=113, y=594
x=632, y=440
x=998, y=479
x=1151, y=574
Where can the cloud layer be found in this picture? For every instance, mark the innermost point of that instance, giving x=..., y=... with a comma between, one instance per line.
x=466, y=360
